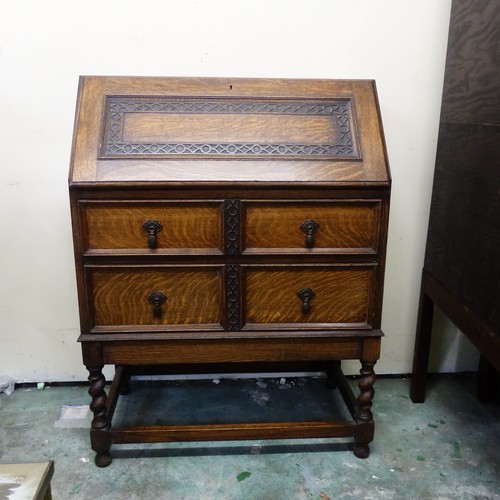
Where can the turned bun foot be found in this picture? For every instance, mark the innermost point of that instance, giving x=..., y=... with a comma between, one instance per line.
x=103, y=459
x=361, y=450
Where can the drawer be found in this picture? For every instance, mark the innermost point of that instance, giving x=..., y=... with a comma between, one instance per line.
x=309, y=296
x=312, y=226
x=170, y=227
x=166, y=296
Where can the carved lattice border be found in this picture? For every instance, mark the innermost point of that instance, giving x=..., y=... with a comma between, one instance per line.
x=340, y=111
x=233, y=322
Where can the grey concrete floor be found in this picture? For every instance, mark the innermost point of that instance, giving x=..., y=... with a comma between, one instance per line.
x=446, y=448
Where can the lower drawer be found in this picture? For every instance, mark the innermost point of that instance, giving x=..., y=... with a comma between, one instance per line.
x=164, y=296
x=309, y=296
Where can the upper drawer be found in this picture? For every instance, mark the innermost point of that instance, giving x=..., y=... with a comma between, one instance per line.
x=168, y=227
x=312, y=226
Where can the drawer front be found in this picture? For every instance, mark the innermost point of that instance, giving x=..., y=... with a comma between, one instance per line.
x=342, y=227
x=166, y=296
x=309, y=296
x=181, y=227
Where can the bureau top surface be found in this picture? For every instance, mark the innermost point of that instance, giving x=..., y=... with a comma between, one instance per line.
x=141, y=130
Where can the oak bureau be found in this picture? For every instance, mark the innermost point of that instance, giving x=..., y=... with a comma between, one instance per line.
x=230, y=226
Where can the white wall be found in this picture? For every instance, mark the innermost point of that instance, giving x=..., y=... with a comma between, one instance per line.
x=45, y=45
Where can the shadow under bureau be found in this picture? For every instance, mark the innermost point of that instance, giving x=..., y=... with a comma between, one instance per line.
x=228, y=226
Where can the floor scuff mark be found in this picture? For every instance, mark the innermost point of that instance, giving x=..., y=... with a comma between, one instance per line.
x=312, y=483
x=73, y=416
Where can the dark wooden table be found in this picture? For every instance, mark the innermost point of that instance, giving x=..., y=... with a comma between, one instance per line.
x=461, y=272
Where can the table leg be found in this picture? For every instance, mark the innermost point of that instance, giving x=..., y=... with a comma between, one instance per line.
x=99, y=436
x=487, y=378
x=364, y=416
x=422, y=345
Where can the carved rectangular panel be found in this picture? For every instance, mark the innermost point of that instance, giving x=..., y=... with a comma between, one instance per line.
x=226, y=127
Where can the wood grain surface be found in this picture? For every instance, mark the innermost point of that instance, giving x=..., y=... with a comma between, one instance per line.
x=463, y=239
x=343, y=225
x=472, y=73
x=196, y=127
x=342, y=295
x=185, y=225
x=194, y=296
x=89, y=165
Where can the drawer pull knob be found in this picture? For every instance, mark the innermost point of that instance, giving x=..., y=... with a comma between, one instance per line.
x=309, y=227
x=156, y=299
x=152, y=227
x=306, y=295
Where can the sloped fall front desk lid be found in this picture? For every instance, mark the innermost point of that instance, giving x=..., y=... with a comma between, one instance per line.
x=203, y=130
